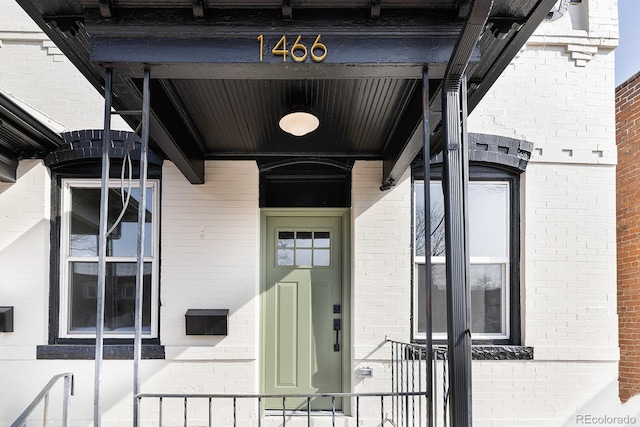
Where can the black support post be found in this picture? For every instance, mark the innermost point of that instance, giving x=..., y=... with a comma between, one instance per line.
x=142, y=209
x=102, y=249
x=426, y=149
x=456, y=180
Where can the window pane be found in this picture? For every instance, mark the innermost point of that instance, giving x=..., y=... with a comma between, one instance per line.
x=487, y=284
x=321, y=257
x=321, y=239
x=304, y=248
x=439, y=298
x=119, y=297
x=85, y=222
x=488, y=220
x=285, y=256
x=303, y=257
x=436, y=219
x=303, y=239
x=487, y=295
x=285, y=239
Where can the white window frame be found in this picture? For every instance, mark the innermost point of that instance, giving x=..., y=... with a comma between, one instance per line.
x=66, y=259
x=506, y=261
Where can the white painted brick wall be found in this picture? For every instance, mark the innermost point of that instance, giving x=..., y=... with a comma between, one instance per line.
x=558, y=98
x=24, y=258
x=34, y=70
x=381, y=259
x=381, y=270
x=565, y=110
x=560, y=93
x=569, y=261
x=210, y=259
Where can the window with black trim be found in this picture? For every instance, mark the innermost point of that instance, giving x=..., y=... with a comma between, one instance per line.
x=494, y=255
x=75, y=211
x=79, y=243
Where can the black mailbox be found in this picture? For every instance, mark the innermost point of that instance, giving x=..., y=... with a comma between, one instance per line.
x=6, y=319
x=207, y=321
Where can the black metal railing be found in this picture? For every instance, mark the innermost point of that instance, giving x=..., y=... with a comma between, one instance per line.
x=406, y=405
x=408, y=374
x=43, y=398
x=368, y=409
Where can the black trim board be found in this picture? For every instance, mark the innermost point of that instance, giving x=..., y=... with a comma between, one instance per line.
x=88, y=352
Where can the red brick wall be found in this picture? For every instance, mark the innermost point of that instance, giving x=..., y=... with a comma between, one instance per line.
x=628, y=234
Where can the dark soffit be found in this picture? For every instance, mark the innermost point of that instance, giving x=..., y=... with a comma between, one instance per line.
x=231, y=111
x=22, y=136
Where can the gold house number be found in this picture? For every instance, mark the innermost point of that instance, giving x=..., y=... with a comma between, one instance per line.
x=298, y=52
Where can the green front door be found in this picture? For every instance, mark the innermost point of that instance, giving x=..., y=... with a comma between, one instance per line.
x=303, y=309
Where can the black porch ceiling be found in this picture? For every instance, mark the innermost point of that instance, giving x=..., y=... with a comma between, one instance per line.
x=357, y=116
x=212, y=98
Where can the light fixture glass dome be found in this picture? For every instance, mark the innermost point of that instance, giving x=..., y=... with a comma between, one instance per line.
x=299, y=123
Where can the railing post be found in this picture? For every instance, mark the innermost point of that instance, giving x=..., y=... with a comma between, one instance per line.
x=43, y=397
x=68, y=391
x=185, y=412
x=259, y=412
x=45, y=419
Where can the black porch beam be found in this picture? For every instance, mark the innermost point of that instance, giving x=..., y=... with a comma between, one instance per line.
x=8, y=168
x=519, y=39
x=280, y=71
x=406, y=142
x=173, y=132
x=202, y=51
x=168, y=132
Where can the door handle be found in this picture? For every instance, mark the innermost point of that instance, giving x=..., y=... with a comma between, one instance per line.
x=337, y=327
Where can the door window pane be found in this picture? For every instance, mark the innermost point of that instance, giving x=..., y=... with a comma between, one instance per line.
x=304, y=248
x=304, y=239
x=304, y=257
x=322, y=257
x=321, y=239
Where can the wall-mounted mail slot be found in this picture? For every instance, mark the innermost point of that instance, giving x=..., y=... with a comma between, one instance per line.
x=6, y=319
x=207, y=321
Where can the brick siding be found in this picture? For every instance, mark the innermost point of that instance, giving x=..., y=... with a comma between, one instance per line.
x=628, y=232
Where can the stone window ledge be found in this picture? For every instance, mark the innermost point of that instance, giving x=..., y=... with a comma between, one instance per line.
x=88, y=352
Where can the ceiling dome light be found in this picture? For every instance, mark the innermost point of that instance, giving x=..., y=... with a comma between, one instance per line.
x=299, y=123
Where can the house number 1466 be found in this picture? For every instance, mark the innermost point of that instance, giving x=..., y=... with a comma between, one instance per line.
x=298, y=52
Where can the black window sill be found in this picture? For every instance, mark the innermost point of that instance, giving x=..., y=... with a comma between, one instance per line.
x=501, y=352
x=88, y=352
x=496, y=352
